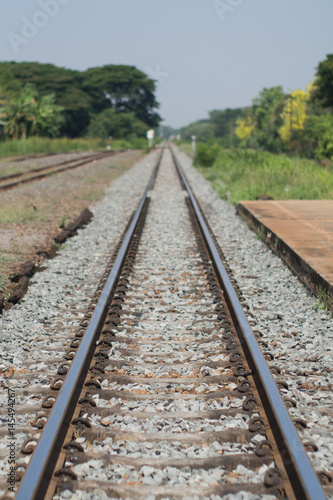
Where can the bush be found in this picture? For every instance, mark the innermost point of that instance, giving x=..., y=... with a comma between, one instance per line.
x=244, y=174
x=205, y=155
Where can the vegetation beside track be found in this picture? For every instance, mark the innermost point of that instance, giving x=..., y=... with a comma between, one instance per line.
x=245, y=174
x=31, y=215
x=45, y=145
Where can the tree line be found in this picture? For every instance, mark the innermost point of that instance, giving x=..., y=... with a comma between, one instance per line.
x=299, y=122
x=46, y=100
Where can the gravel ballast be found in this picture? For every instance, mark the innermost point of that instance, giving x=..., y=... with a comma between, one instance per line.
x=298, y=336
x=35, y=333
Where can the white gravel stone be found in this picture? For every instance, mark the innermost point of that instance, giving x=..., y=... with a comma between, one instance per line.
x=299, y=335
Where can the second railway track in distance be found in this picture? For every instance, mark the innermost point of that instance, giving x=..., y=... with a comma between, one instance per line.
x=14, y=180
x=168, y=394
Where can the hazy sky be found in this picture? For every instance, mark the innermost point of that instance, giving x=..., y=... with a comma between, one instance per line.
x=205, y=54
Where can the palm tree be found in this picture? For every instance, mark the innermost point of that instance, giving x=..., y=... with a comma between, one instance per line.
x=46, y=116
x=29, y=114
x=17, y=117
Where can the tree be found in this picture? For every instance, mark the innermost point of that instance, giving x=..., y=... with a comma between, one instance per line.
x=65, y=84
x=266, y=115
x=323, y=85
x=4, y=101
x=124, y=88
x=224, y=122
x=244, y=129
x=47, y=118
x=166, y=131
x=318, y=136
x=294, y=117
x=29, y=114
x=109, y=123
x=258, y=127
x=85, y=94
x=202, y=129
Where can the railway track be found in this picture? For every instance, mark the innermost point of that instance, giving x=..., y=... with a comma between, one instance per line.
x=14, y=180
x=174, y=396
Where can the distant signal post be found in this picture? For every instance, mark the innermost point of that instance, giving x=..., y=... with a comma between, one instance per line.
x=150, y=137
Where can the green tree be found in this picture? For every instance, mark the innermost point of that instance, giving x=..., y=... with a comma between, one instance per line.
x=65, y=84
x=109, y=123
x=29, y=114
x=323, y=85
x=202, y=129
x=224, y=122
x=318, y=136
x=85, y=94
x=266, y=115
x=166, y=131
x=46, y=115
x=124, y=88
x=17, y=116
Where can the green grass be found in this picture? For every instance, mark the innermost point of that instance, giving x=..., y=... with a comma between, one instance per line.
x=322, y=299
x=21, y=214
x=245, y=174
x=44, y=145
x=184, y=146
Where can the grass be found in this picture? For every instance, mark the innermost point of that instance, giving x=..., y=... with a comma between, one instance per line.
x=184, y=146
x=21, y=214
x=30, y=217
x=93, y=194
x=245, y=174
x=40, y=145
x=261, y=233
x=9, y=170
x=5, y=261
x=62, y=224
x=45, y=145
x=322, y=299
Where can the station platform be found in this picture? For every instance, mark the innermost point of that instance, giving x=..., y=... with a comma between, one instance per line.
x=301, y=233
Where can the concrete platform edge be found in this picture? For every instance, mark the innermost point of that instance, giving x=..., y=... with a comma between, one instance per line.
x=305, y=273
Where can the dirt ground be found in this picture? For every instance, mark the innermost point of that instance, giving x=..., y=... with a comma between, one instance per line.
x=32, y=214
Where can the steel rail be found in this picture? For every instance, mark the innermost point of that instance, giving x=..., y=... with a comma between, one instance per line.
x=41, y=466
x=302, y=477
x=46, y=167
x=42, y=172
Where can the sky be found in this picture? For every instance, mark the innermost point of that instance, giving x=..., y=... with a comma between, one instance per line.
x=204, y=54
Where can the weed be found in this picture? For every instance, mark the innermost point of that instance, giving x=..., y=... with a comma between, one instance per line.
x=60, y=246
x=2, y=282
x=322, y=302
x=276, y=242
x=62, y=224
x=261, y=233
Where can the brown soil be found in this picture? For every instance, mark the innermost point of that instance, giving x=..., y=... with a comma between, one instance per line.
x=32, y=215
